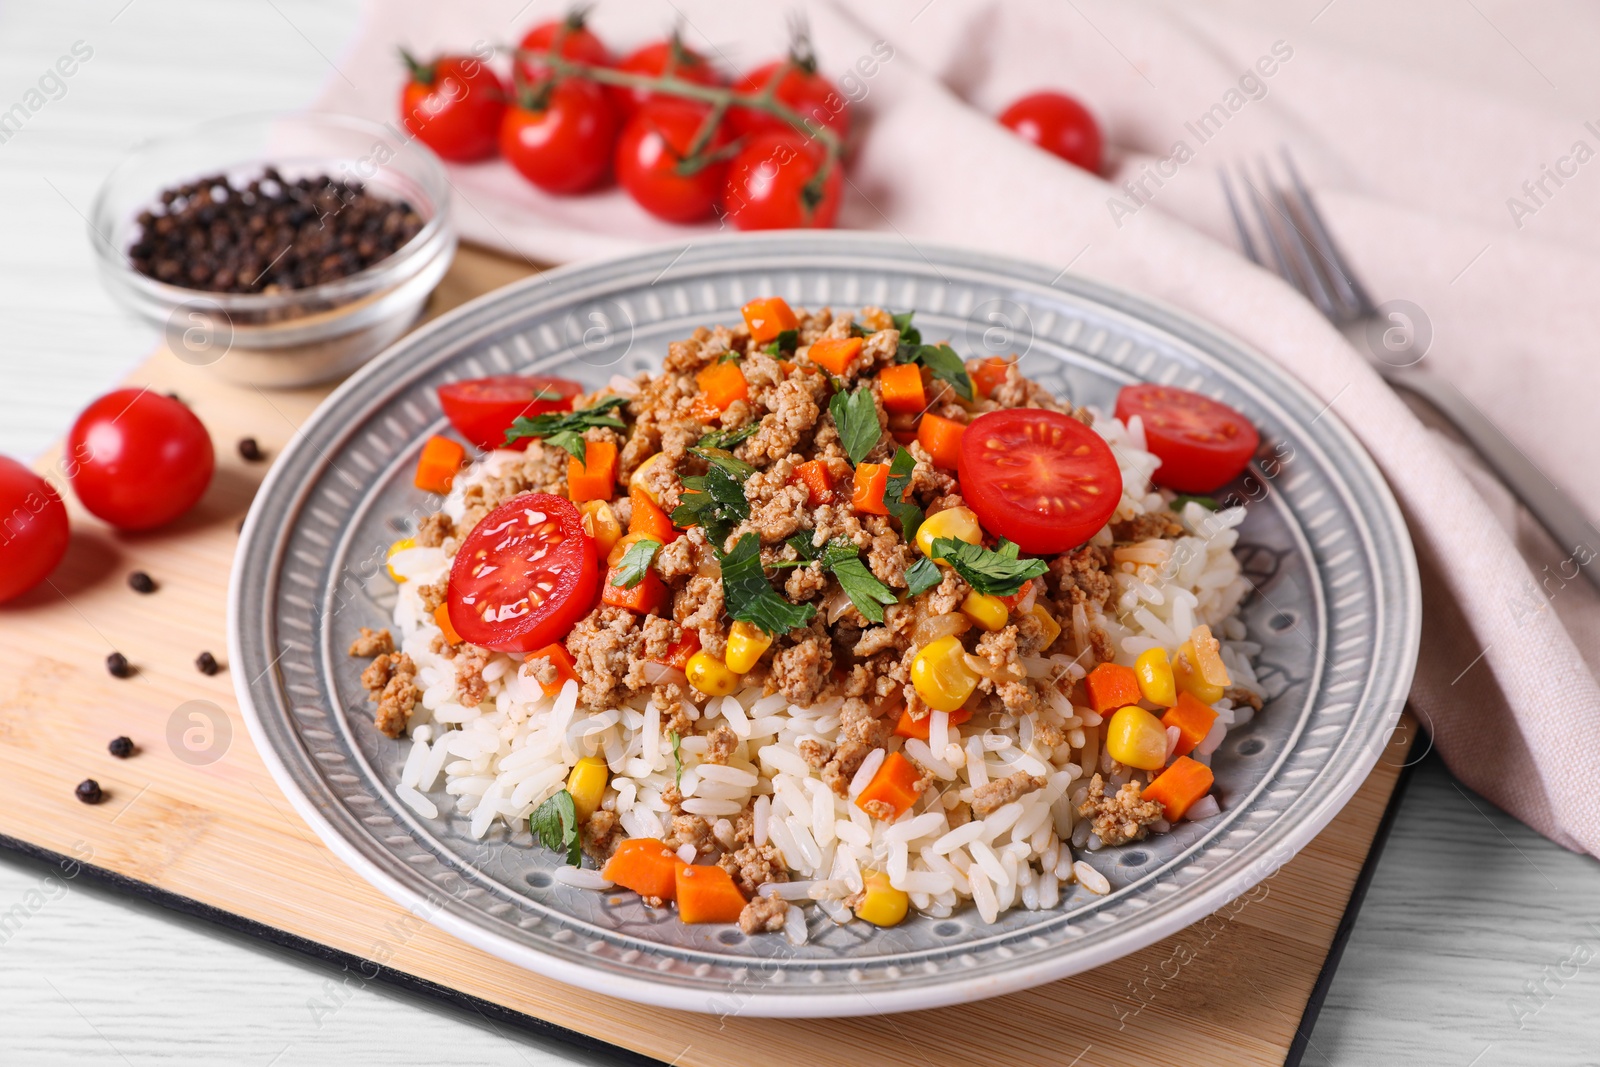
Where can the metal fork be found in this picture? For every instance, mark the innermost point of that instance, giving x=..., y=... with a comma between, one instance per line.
x=1305, y=255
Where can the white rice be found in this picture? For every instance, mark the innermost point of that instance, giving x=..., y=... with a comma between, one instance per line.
x=493, y=764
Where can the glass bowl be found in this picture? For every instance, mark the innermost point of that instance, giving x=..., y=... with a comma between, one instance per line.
x=292, y=337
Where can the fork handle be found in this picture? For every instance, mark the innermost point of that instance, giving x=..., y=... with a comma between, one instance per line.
x=1571, y=529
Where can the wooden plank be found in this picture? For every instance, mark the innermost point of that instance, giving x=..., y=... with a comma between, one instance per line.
x=196, y=813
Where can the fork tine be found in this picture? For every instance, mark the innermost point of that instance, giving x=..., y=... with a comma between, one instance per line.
x=1277, y=241
x=1245, y=240
x=1336, y=267
x=1300, y=249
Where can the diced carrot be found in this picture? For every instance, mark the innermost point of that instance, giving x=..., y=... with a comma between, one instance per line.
x=678, y=653
x=703, y=410
x=1014, y=599
x=834, y=353
x=1179, y=786
x=596, y=477
x=918, y=728
x=1111, y=686
x=990, y=375
x=902, y=388
x=1193, y=720
x=722, y=384
x=706, y=894
x=558, y=655
x=768, y=317
x=787, y=366
x=646, y=517
x=441, y=616
x=872, y=479
x=895, y=784
x=818, y=479
x=942, y=438
x=437, y=466
x=647, y=598
x=645, y=866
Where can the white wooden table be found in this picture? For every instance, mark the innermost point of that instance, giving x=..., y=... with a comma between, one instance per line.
x=1478, y=945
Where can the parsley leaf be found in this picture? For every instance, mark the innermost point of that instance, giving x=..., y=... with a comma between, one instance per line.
x=732, y=355
x=718, y=504
x=677, y=757
x=801, y=543
x=1207, y=502
x=942, y=360
x=729, y=439
x=721, y=457
x=564, y=429
x=909, y=334
x=857, y=418
x=787, y=341
x=635, y=563
x=921, y=576
x=859, y=584
x=749, y=597
x=555, y=824
x=894, y=494
x=997, y=572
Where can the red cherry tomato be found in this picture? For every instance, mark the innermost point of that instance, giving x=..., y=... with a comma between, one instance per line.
x=1039, y=478
x=453, y=105
x=524, y=576
x=772, y=184
x=562, y=145
x=33, y=535
x=1058, y=124
x=139, y=459
x=483, y=409
x=650, y=154
x=801, y=88
x=655, y=60
x=569, y=38
x=1202, y=445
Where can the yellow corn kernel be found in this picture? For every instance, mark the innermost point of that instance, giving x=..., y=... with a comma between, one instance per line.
x=1137, y=738
x=587, y=784
x=1155, y=677
x=1187, y=677
x=746, y=643
x=1052, y=629
x=710, y=675
x=601, y=523
x=636, y=479
x=941, y=675
x=989, y=612
x=882, y=904
x=399, y=546
x=959, y=524
x=620, y=549
x=1205, y=652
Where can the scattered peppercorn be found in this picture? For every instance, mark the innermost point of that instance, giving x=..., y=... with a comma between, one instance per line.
x=117, y=664
x=269, y=235
x=89, y=791
x=121, y=747
x=141, y=582
x=249, y=449
x=206, y=663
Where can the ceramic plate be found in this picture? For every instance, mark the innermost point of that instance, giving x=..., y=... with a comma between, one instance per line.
x=1336, y=608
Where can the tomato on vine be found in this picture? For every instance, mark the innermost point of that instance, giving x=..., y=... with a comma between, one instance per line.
x=453, y=105
x=568, y=38
x=662, y=165
x=560, y=135
x=782, y=180
x=657, y=60
x=795, y=83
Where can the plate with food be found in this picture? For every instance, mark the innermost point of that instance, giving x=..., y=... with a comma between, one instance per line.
x=812, y=625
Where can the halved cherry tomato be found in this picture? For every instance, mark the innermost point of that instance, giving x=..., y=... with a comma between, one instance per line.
x=1202, y=445
x=560, y=137
x=1040, y=478
x=34, y=535
x=140, y=459
x=524, y=576
x=651, y=166
x=654, y=60
x=1059, y=125
x=775, y=183
x=568, y=38
x=483, y=409
x=453, y=105
x=800, y=87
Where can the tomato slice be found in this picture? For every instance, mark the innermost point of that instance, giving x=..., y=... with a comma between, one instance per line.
x=524, y=576
x=1040, y=478
x=483, y=409
x=1202, y=445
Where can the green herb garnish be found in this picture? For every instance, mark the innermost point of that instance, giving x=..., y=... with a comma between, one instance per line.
x=997, y=572
x=909, y=334
x=635, y=563
x=721, y=457
x=865, y=591
x=1209, y=503
x=943, y=361
x=787, y=341
x=555, y=824
x=856, y=415
x=922, y=575
x=677, y=757
x=728, y=439
x=564, y=429
x=895, y=493
x=718, y=504
x=749, y=597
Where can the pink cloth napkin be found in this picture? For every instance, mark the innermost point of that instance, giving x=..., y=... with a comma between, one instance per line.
x=1420, y=175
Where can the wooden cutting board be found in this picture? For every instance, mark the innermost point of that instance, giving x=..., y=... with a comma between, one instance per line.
x=195, y=821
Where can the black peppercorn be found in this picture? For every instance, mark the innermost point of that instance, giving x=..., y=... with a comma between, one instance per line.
x=206, y=663
x=141, y=582
x=249, y=449
x=121, y=747
x=89, y=791
x=117, y=664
